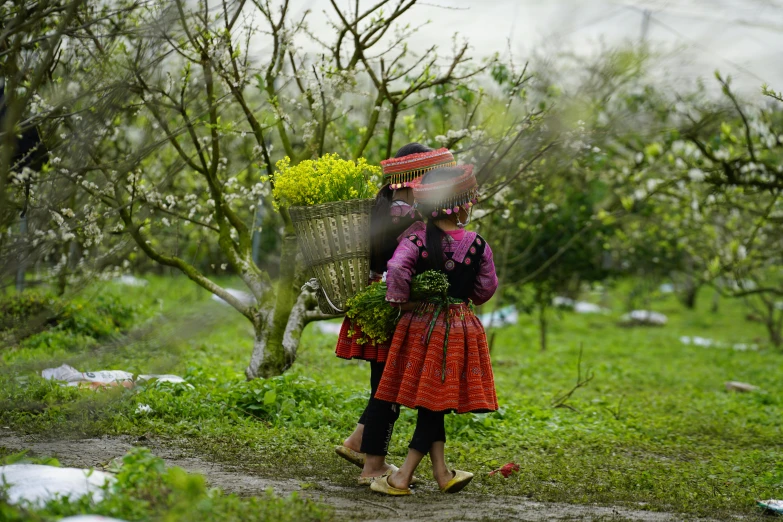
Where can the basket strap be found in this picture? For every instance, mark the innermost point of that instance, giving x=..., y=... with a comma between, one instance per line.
x=315, y=285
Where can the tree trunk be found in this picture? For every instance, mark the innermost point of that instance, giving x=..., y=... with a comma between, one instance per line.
x=269, y=352
x=776, y=337
x=23, y=251
x=260, y=361
x=689, y=297
x=690, y=293
x=715, y=302
x=775, y=324
x=266, y=359
x=542, y=324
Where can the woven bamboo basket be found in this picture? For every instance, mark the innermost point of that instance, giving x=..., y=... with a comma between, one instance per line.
x=335, y=242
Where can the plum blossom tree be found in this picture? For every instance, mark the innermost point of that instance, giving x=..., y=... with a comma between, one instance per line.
x=178, y=145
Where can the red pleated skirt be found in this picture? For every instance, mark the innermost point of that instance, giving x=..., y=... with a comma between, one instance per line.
x=348, y=348
x=414, y=368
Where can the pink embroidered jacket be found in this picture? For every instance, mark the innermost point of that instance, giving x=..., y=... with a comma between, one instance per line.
x=402, y=266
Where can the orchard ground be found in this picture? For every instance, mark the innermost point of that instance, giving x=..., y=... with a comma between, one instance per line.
x=654, y=435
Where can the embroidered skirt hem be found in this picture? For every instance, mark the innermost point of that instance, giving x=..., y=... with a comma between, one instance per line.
x=414, y=367
x=348, y=348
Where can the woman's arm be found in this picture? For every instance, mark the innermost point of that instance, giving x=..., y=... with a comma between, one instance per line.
x=400, y=271
x=486, y=280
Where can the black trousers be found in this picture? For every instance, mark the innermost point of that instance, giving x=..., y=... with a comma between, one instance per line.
x=379, y=418
x=376, y=372
x=430, y=428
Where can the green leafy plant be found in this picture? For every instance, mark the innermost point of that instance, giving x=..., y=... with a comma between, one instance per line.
x=377, y=319
x=285, y=400
x=22, y=307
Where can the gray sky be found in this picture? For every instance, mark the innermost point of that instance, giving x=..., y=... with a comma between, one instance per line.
x=743, y=38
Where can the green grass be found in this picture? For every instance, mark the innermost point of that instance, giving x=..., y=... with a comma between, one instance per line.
x=655, y=427
x=145, y=490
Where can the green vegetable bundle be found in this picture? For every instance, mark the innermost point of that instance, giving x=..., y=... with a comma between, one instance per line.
x=376, y=318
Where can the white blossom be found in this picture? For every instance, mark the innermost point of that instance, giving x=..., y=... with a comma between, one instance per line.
x=696, y=175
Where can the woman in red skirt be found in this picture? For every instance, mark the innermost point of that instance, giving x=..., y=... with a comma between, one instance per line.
x=392, y=215
x=438, y=360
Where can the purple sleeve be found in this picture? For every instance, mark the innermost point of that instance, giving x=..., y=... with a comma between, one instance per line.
x=400, y=271
x=487, y=279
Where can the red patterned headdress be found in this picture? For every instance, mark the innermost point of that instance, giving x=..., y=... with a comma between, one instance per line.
x=402, y=172
x=449, y=195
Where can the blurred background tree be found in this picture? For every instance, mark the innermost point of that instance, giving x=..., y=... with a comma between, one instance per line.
x=160, y=123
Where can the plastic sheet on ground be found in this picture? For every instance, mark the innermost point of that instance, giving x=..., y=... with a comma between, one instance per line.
x=160, y=378
x=104, y=378
x=580, y=307
x=129, y=280
x=776, y=506
x=38, y=484
x=244, y=297
x=328, y=327
x=644, y=318
x=710, y=343
x=505, y=316
x=74, y=377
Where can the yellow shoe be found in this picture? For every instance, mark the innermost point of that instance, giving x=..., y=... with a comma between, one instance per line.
x=366, y=481
x=354, y=457
x=460, y=480
x=381, y=485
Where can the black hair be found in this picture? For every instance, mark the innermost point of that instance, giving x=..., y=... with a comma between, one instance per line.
x=379, y=230
x=434, y=234
x=383, y=232
x=412, y=148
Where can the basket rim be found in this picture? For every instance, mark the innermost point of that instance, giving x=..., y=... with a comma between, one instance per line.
x=332, y=203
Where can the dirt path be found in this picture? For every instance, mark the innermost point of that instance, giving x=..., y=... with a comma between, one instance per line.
x=427, y=504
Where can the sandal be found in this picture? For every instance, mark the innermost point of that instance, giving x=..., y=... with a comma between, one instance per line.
x=381, y=485
x=460, y=480
x=366, y=481
x=354, y=457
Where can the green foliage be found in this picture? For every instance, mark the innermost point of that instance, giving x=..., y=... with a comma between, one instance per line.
x=103, y=316
x=22, y=307
x=81, y=318
x=23, y=458
x=655, y=426
x=285, y=400
x=144, y=490
x=58, y=339
x=377, y=319
x=76, y=324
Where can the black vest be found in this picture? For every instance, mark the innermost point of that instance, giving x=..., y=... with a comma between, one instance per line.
x=461, y=276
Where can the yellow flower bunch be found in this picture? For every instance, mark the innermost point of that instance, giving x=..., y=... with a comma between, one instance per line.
x=323, y=180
